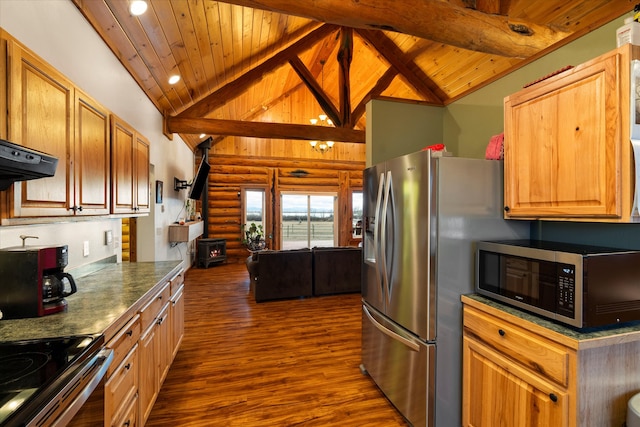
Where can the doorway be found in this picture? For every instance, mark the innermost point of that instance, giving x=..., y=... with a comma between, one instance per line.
x=308, y=220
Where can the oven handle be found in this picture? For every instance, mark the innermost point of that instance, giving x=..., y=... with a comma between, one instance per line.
x=101, y=361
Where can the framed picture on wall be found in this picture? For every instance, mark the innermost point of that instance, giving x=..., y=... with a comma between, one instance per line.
x=159, y=192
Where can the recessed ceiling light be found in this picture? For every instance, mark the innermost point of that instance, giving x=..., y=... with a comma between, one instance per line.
x=202, y=135
x=174, y=79
x=138, y=7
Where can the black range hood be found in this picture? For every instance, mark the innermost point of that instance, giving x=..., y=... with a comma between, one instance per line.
x=20, y=163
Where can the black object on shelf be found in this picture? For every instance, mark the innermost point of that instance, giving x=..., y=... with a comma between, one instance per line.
x=211, y=251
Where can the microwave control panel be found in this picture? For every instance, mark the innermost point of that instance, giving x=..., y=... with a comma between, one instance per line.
x=566, y=289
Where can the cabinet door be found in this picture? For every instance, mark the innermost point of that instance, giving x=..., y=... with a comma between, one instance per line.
x=562, y=145
x=498, y=392
x=122, y=149
x=177, y=321
x=130, y=169
x=141, y=175
x=148, y=348
x=41, y=117
x=92, y=157
x=165, y=343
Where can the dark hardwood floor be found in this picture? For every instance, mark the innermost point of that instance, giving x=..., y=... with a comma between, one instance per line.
x=278, y=363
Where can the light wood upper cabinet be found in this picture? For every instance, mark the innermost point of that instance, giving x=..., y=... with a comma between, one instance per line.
x=103, y=163
x=49, y=114
x=567, y=148
x=92, y=165
x=130, y=169
x=41, y=116
x=143, y=187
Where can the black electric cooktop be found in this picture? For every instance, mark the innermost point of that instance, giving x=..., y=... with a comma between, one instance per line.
x=32, y=371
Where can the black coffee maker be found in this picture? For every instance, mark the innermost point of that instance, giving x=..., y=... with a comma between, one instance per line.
x=33, y=282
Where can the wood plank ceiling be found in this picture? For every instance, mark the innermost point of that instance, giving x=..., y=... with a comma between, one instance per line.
x=262, y=68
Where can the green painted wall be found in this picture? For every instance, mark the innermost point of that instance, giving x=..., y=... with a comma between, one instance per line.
x=397, y=128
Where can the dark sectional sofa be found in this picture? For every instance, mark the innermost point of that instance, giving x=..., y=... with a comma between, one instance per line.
x=304, y=272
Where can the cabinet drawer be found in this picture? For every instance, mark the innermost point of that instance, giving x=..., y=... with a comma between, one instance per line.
x=123, y=342
x=122, y=386
x=546, y=358
x=153, y=307
x=176, y=282
x=129, y=417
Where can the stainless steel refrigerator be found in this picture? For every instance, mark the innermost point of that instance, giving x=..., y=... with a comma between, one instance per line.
x=422, y=216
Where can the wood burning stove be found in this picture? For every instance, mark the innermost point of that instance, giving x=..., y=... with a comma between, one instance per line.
x=211, y=251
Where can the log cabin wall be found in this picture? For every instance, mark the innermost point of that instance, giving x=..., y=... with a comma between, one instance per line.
x=277, y=168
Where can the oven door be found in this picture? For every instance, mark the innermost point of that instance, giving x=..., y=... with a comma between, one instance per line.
x=81, y=401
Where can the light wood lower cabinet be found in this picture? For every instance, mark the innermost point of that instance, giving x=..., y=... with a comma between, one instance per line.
x=121, y=390
x=519, y=373
x=143, y=352
x=153, y=350
x=177, y=312
x=121, y=386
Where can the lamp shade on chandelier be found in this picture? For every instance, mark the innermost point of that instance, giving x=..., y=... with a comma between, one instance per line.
x=321, y=146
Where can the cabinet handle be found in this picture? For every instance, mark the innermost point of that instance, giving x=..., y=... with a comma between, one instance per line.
x=127, y=366
x=501, y=332
x=506, y=208
x=127, y=423
x=553, y=397
x=80, y=208
x=160, y=320
x=129, y=332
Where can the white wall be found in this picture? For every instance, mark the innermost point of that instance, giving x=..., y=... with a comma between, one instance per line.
x=57, y=32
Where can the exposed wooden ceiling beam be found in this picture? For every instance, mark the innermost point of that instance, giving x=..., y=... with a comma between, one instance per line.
x=318, y=92
x=235, y=88
x=435, y=20
x=262, y=129
x=345, y=54
x=412, y=73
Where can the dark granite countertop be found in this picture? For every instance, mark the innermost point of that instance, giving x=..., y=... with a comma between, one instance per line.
x=588, y=337
x=103, y=297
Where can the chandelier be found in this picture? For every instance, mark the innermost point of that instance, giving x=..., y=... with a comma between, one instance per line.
x=321, y=146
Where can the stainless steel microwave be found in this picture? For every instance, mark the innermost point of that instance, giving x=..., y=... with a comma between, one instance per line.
x=578, y=285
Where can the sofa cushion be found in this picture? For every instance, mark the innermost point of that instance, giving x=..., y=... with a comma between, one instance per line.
x=284, y=274
x=336, y=270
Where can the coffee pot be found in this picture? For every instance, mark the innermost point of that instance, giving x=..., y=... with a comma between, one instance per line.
x=54, y=286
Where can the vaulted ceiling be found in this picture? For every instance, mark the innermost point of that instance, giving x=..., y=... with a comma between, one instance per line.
x=262, y=68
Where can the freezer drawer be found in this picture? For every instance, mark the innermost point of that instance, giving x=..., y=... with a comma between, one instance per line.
x=402, y=366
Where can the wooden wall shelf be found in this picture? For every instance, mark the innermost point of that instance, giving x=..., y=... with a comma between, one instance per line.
x=185, y=233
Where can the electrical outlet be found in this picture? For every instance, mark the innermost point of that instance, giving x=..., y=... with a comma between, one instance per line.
x=85, y=248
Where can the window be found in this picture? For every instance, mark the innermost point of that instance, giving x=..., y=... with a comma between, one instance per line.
x=254, y=207
x=356, y=214
x=308, y=220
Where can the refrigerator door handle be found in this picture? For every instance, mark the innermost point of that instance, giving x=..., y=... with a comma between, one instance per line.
x=406, y=341
x=376, y=236
x=383, y=239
